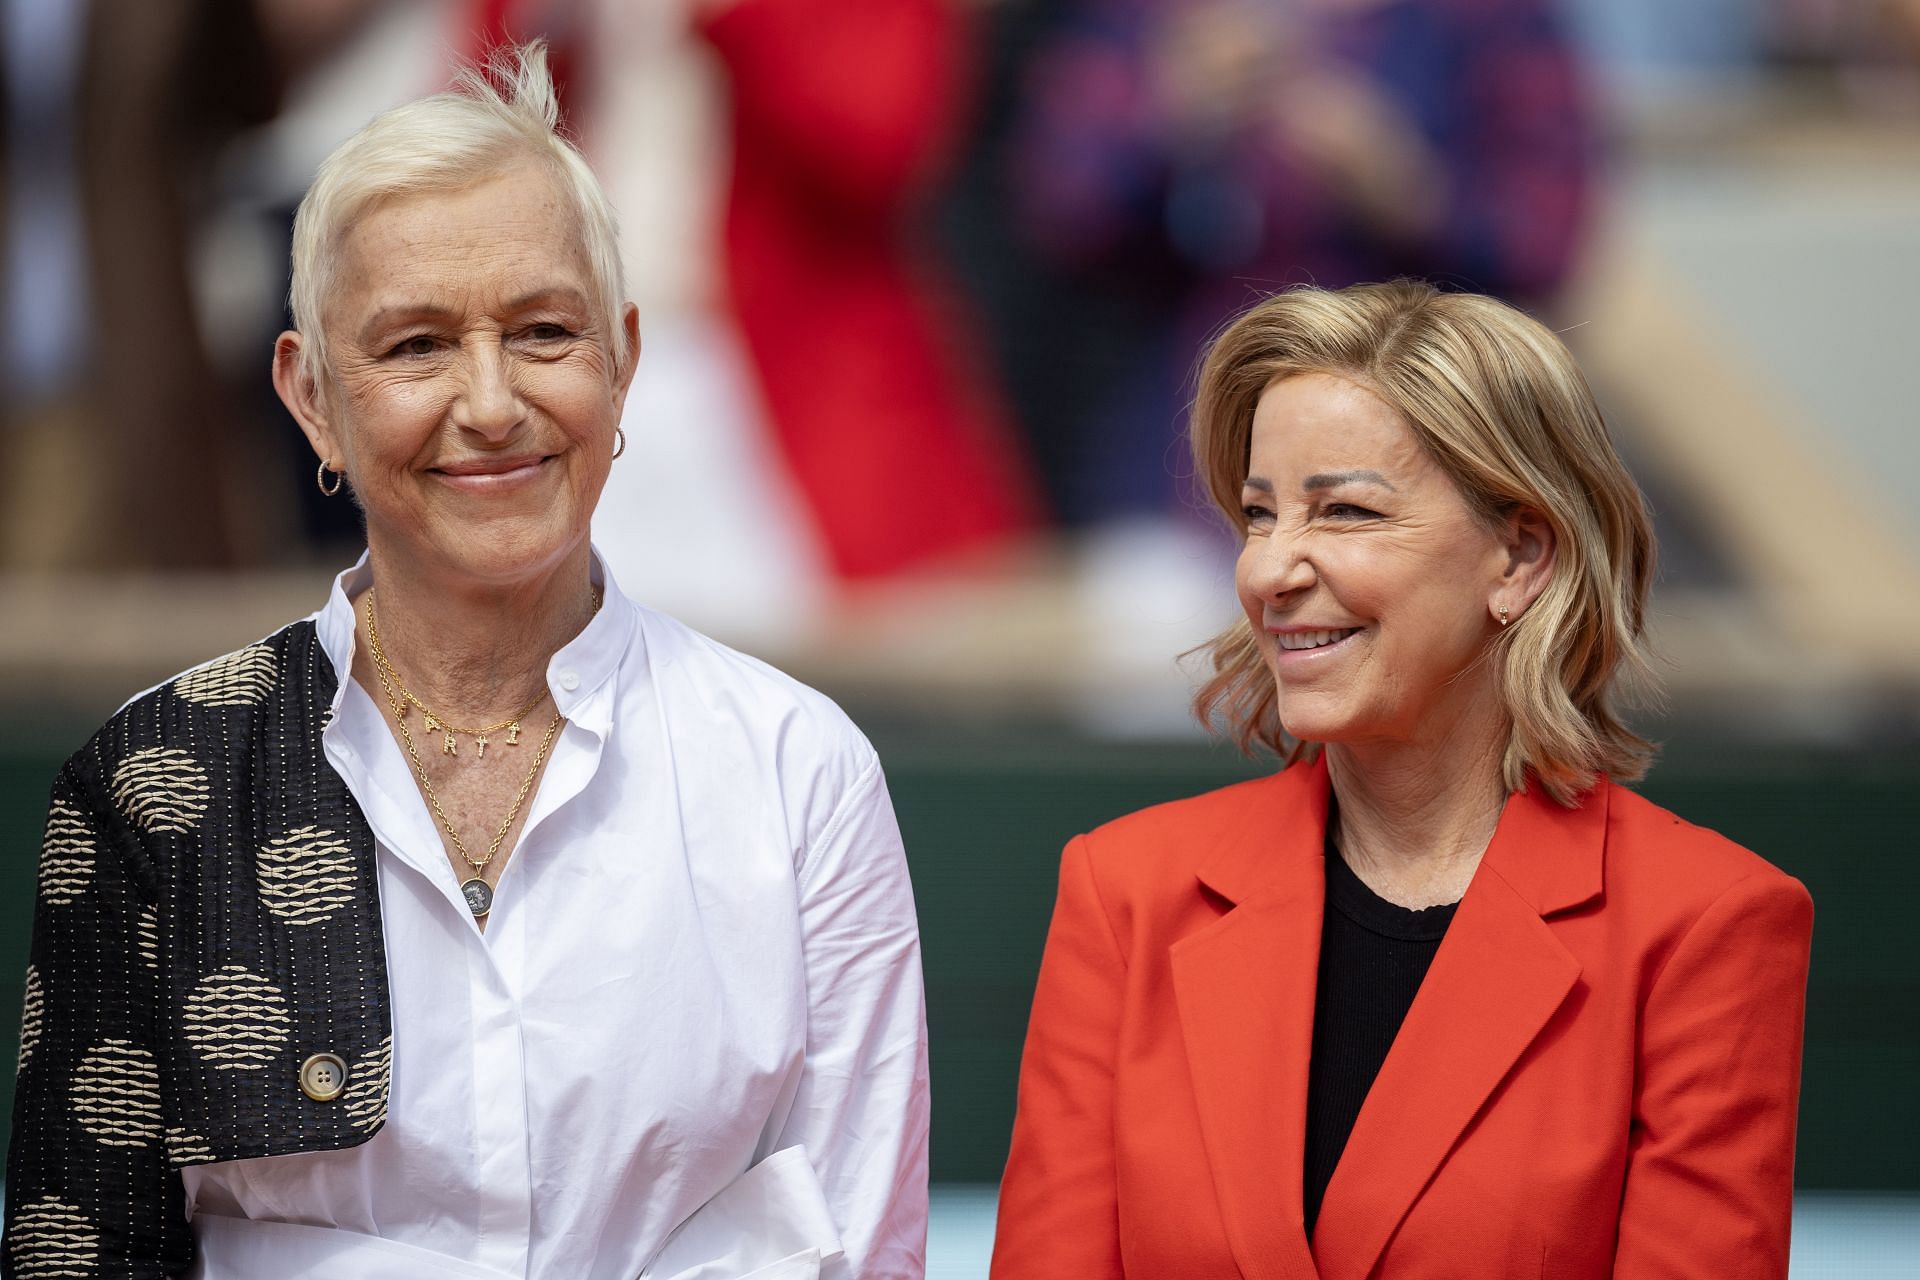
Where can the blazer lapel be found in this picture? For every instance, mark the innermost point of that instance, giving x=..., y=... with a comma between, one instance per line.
x=1495, y=982
x=1245, y=988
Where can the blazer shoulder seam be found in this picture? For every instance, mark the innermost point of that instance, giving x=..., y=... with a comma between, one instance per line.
x=1085, y=841
x=1764, y=873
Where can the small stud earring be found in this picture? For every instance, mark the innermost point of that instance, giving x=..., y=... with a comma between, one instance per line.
x=620, y=439
x=1503, y=615
x=339, y=479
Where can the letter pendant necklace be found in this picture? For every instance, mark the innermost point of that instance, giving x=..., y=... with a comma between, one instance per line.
x=402, y=697
x=475, y=889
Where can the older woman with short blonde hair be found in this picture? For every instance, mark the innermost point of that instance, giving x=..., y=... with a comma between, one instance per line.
x=484, y=923
x=1441, y=997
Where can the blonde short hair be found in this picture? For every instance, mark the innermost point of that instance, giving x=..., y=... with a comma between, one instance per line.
x=1499, y=404
x=489, y=120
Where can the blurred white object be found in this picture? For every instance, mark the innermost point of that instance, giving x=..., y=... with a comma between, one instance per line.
x=45, y=272
x=695, y=517
x=1147, y=591
x=403, y=52
x=699, y=517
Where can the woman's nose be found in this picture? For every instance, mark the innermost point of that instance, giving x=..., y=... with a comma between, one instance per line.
x=1276, y=566
x=489, y=403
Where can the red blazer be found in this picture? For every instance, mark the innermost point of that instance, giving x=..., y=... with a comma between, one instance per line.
x=1598, y=1077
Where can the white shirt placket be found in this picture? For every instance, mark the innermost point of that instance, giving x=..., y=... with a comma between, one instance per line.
x=503, y=1159
x=495, y=1087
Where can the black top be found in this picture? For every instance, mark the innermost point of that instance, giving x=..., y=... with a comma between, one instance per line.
x=1373, y=957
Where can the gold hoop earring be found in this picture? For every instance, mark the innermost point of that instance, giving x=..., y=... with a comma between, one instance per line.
x=1503, y=615
x=620, y=446
x=339, y=479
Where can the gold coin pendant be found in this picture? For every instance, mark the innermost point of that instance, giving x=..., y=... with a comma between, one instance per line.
x=479, y=896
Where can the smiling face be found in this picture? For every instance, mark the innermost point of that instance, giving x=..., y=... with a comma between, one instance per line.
x=1371, y=585
x=473, y=387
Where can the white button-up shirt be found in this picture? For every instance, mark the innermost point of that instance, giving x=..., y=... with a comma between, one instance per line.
x=702, y=952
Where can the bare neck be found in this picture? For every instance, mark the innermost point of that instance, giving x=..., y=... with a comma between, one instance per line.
x=1415, y=818
x=479, y=653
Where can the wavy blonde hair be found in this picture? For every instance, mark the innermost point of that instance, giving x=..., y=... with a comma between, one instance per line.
x=1499, y=404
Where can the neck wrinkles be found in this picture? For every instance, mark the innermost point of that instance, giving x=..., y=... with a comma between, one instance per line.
x=480, y=653
x=1415, y=818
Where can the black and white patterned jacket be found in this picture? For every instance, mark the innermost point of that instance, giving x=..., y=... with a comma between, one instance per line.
x=207, y=920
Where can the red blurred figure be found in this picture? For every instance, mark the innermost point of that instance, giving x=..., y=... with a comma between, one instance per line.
x=840, y=110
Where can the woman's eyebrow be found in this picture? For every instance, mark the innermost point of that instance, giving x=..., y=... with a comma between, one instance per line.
x=395, y=313
x=553, y=295
x=1331, y=479
x=401, y=313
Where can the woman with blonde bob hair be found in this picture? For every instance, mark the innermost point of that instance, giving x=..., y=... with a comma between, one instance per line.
x=1441, y=997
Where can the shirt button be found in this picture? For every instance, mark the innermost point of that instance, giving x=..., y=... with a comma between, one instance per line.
x=569, y=680
x=323, y=1077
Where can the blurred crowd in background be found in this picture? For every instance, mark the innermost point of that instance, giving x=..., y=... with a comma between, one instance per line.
x=921, y=282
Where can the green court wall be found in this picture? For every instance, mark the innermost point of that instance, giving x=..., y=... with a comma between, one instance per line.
x=985, y=817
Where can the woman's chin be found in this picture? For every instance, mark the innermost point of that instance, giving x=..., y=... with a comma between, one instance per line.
x=505, y=552
x=1309, y=723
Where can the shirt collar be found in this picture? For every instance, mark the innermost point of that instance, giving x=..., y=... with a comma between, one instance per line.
x=580, y=676
x=335, y=624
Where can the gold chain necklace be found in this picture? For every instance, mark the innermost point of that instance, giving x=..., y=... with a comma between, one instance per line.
x=475, y=889
x=433, y=723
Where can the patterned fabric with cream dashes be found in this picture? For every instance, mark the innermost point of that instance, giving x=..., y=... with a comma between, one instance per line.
x=242, y=679
x=366, y=1096
x=116, y=1095
x=66, y=857
x=161, y=789
x=206, y=921
x=236, y=1020
x=48, y=1238
x=306, y=875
